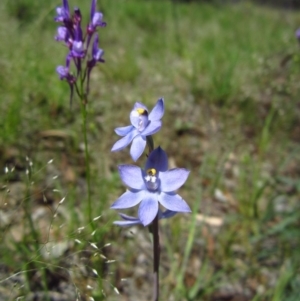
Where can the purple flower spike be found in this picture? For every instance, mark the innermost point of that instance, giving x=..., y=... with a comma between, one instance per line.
x=142, y=125
x=95, y=18
x=131, y=220
x=63, y=12
x=153, y=186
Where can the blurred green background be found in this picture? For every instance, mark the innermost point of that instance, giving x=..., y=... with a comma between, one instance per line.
x=229, y=73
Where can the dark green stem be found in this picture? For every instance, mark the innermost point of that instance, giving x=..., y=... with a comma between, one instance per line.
x=150, y=143
x=84, y=112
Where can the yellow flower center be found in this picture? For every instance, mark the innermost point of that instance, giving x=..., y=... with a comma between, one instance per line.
x=141, y=111
x=151, y=171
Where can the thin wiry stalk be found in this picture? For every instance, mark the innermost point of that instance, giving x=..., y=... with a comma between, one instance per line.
x=156, y=257
x=83, y=104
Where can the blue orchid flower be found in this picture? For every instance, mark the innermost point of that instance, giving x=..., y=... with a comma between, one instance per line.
x=142, y=125
x=150, y=187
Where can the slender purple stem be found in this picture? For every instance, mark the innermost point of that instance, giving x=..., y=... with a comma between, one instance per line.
x=156, y=256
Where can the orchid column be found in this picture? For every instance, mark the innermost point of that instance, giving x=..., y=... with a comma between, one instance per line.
x=153, y=185
x=83, y=55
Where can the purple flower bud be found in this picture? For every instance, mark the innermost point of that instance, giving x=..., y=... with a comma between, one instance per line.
x=63, y=73
x=63, y=12
x=62, y=34
x=97, y=53
x=95, y=18
x=77, y=15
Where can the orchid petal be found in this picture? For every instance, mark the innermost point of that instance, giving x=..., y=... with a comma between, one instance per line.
x=131, y=220
x=173, y=202
x=123, y=142
x=166, y=214
x=128, y=199
x=127, y=223
x=131, y=176
x=124, y=130
x=139, y=105
x=148, y=210
x=158, y=110
x=137, y=147
x=158, y=160
x=173, y=179
x=152, y=128
x=128, y=217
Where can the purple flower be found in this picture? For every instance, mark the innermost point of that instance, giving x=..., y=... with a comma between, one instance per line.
x=62, y=34
x=64, y=73
x=78, y=45
x=95, y=18
x=63, y=13
x=131, y=220
x=97, y=53
x=142, y=125
x=297, y=34
x=153, y=186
